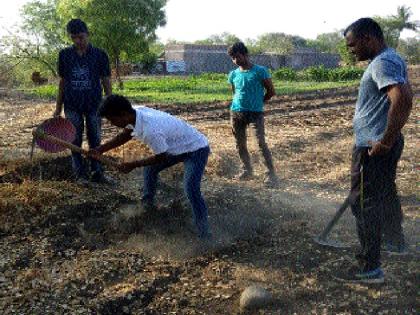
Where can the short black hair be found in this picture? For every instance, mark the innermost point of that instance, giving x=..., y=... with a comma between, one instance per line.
x=76, y=26
x=115, y=105
x=237, y=48
x=363, y=27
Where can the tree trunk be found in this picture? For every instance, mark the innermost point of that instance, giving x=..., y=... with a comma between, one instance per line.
x=117, y=71
x=50, y=67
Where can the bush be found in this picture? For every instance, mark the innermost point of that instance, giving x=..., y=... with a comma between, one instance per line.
x=148, y=61
x=211, y=76
x=345, y=74
x=322, y=74
x=316, y=73
x=287, y=74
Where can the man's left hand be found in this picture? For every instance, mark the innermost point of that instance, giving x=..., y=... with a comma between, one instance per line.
x=378, y=148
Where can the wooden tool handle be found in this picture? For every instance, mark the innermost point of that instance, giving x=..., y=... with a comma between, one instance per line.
x=335, y=219
x=40, y=134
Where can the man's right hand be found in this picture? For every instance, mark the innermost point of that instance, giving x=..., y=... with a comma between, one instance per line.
x=94, y=154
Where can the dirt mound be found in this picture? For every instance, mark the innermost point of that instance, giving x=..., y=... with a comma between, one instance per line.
x=55, y=169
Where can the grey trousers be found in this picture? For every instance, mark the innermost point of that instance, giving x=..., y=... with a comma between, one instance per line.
x=240, y=122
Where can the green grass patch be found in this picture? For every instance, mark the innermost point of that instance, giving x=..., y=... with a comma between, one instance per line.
x=292, y=87
x=194, y=89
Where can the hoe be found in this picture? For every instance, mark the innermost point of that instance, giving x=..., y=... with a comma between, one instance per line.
x=322, y=239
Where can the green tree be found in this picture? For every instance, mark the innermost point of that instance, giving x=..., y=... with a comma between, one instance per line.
x=7, y=68
x=346, y=57
x=251, y=44
x=333, y=43
x=39, y=38
x=279, y=43
x=219, y=39
x=121, y=27
x=30, y=52
x=402, y=19
x=393, y=25
x=41, y=18
x=327, y=42
x=172, y=41
x=410, y=50
x=157, y=48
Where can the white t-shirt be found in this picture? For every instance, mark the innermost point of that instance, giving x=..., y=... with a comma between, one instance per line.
x=165, y=133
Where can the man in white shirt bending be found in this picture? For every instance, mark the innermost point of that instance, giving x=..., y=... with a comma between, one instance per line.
x=172, y=141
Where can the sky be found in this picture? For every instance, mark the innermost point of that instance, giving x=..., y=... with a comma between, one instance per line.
x=190, y=20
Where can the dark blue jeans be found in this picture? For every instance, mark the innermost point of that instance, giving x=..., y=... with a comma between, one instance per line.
x=93, y=132
x=378, y=209
x=194, y=165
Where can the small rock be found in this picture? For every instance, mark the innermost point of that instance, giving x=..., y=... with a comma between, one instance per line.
x=255, y=297
x=183, y=302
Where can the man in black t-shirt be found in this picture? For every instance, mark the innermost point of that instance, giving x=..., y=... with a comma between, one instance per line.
x=84, y=72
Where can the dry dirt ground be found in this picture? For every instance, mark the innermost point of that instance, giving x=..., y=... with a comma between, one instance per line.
x=69, y=249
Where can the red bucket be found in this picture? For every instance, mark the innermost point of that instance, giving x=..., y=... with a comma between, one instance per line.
x=58, y=127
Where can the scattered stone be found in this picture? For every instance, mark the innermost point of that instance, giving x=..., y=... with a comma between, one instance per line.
x=255, y=297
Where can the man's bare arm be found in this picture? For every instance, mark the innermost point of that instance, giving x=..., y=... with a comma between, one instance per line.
x=115, y=142
x=107, y=86
x=269, y=89
x=60, y=98
x=401, y=102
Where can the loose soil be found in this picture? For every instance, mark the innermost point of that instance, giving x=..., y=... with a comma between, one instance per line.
x=71, y=249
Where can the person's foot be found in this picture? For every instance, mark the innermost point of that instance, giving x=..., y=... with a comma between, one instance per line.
x=271, y=180
x=81, y=180
x=395, y=249
x=149, y=207
x=356, y=275
x=206, y=241
x=205, y=236
x=101, y=178
x=244, y=175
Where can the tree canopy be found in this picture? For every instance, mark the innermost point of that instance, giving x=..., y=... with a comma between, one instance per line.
x=121, y=27
x=393, y=25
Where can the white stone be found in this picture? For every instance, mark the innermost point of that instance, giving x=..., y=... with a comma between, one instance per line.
x=255, y=297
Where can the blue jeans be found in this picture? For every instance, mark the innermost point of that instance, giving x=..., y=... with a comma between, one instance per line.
x=93, y=131
x=194, y=165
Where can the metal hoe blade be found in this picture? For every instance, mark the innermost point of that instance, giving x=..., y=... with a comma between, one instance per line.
x=330, y=243
x=322, y=239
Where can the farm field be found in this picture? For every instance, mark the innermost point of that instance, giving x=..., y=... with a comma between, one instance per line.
x=193, y=89
x=68, y=249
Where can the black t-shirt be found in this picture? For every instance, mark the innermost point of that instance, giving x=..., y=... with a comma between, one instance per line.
x=82, y=77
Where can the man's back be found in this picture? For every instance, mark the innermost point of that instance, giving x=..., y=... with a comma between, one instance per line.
x=166, y=133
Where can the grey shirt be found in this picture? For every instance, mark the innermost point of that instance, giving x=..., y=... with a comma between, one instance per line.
x=372, y=106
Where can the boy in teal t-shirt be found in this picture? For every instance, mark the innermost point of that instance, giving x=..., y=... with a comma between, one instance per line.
x=251, y=87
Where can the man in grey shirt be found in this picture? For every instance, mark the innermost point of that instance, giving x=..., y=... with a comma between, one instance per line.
x=382, y=109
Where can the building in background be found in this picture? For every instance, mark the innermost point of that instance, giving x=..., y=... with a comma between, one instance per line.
x=195, y=59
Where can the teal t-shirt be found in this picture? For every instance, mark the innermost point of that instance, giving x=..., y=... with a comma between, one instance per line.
x=249, y=89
